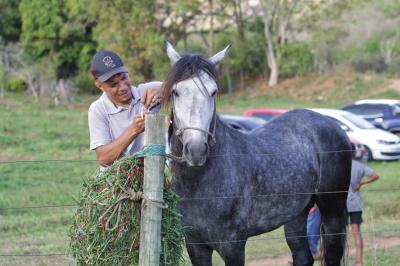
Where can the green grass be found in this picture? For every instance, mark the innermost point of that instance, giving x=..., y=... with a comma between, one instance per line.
x=43, y=131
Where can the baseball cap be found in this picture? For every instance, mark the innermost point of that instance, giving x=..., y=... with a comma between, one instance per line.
x=106, y=64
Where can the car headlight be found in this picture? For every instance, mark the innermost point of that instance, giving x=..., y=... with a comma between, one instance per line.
x=385, y=142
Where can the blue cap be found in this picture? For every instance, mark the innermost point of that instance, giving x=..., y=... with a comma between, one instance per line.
x=106, y=64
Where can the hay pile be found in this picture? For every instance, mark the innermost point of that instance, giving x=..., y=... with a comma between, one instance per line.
x=107, y=233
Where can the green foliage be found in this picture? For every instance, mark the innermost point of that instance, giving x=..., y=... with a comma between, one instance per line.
x=10, y=21
x=15, y=85
x=295, y=59
x=246, y=56
x=106, y=226
x=55, y=28
x=85, y=83
x=130, y=29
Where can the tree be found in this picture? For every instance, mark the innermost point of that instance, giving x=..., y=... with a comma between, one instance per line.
x=276, y=17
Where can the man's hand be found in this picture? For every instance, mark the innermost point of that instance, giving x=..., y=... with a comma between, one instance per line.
x=149, y=97
x=138, y=124
x=357, y=188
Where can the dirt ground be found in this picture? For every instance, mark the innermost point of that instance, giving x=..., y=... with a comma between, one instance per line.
x=369, y=244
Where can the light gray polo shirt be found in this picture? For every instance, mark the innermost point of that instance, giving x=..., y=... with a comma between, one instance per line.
x=354, y=200
x=108, y=121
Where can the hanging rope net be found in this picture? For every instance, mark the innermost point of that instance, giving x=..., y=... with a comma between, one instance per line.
x=106, y=225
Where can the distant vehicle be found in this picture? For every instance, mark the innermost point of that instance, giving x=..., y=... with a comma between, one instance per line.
x=266, y=114
x=384, y=114
x=243, y=123
x=379, y=144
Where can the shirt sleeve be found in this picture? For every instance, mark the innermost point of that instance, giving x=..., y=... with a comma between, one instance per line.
x=149, y=85
x=99, y=129
x=367, y=171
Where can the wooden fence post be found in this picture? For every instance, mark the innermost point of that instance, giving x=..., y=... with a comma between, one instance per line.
x=150, y=224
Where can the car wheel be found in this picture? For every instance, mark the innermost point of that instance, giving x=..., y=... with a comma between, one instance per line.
x=368, y=154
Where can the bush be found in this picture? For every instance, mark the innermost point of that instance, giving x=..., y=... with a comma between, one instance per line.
x=295, y=58
x=85, y=84
x=15, y=85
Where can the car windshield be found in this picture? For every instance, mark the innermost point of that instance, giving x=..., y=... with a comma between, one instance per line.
x=358, y=121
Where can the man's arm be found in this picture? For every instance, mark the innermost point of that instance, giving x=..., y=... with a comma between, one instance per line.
x=107, y=154
x=151, y=93
x=370, y=178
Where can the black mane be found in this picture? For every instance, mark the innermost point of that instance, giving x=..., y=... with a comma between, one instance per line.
x=187, y=66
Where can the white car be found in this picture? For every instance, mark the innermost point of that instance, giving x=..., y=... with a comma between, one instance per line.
x=379, y=144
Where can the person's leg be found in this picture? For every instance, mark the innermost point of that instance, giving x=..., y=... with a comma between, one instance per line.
x=355, y=219
x=313, y=230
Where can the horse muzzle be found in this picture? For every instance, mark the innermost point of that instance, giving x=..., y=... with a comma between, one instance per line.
x=195, y=152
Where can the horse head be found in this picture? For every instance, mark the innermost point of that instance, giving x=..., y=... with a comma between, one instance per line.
x=191, y=86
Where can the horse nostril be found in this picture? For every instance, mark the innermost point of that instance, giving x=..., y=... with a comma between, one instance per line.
x=186, y=149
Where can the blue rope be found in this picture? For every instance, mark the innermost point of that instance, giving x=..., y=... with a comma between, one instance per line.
x=151, y=150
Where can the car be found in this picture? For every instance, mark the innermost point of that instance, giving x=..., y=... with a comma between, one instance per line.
x=383, y=113
x=242, y=123
x=379, y=144
x=269, y=114
x=266, y=114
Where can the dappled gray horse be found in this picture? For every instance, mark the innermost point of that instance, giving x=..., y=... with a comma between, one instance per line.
x=235, y=185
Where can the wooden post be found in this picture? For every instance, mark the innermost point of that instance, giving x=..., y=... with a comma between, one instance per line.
x=150, y=224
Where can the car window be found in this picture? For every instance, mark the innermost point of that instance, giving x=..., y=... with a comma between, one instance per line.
x=396, y=110
x=358, y=121
x=372, y=110
x=356, y=109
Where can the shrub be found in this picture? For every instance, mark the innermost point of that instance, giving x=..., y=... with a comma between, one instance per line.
x=295, y=58
x=85, y=84
x=15, y=85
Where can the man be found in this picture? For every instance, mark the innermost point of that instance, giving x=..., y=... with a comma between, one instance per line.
x=116, y=121
x=355, y=204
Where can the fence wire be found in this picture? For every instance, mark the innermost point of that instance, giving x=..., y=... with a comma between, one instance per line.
x=211, y=156
x=252, y=239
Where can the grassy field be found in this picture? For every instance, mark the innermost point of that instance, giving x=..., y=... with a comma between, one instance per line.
x=45, y=155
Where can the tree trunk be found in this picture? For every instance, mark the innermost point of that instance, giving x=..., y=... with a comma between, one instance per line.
x=271, y=58
x=211, y=30
x=269, y=49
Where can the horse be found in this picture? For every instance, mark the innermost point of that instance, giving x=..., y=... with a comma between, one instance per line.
x=235, y=185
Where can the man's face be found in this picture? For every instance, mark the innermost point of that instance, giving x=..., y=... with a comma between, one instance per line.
x=117, y=88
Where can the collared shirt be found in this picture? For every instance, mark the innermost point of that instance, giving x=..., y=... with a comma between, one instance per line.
x=354, y=200
x=108, y=121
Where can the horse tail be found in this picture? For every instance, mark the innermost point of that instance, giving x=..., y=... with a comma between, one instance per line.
x=322, y=248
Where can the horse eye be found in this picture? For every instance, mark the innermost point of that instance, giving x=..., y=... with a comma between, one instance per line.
x=175, y=93
x=213, y=94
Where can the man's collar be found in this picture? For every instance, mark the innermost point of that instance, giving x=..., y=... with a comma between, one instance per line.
x=112, y=108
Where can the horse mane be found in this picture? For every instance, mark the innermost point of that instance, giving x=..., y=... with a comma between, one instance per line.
x=186, y=67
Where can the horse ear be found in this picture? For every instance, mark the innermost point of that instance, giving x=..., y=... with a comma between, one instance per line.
x=215, y=59
x=172, y=53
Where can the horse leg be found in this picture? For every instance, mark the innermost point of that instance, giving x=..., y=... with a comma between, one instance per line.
x=334, y=217
x=200, y=255
x=233, y=253
x=296, y=237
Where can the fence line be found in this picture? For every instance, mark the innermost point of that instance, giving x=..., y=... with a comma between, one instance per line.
x=210, y=198
x=252, y=239
x=216, y=155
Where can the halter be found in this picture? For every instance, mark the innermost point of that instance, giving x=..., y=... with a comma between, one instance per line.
x=179, y=132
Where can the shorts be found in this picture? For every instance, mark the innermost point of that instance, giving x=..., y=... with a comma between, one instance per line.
x=355, y=217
